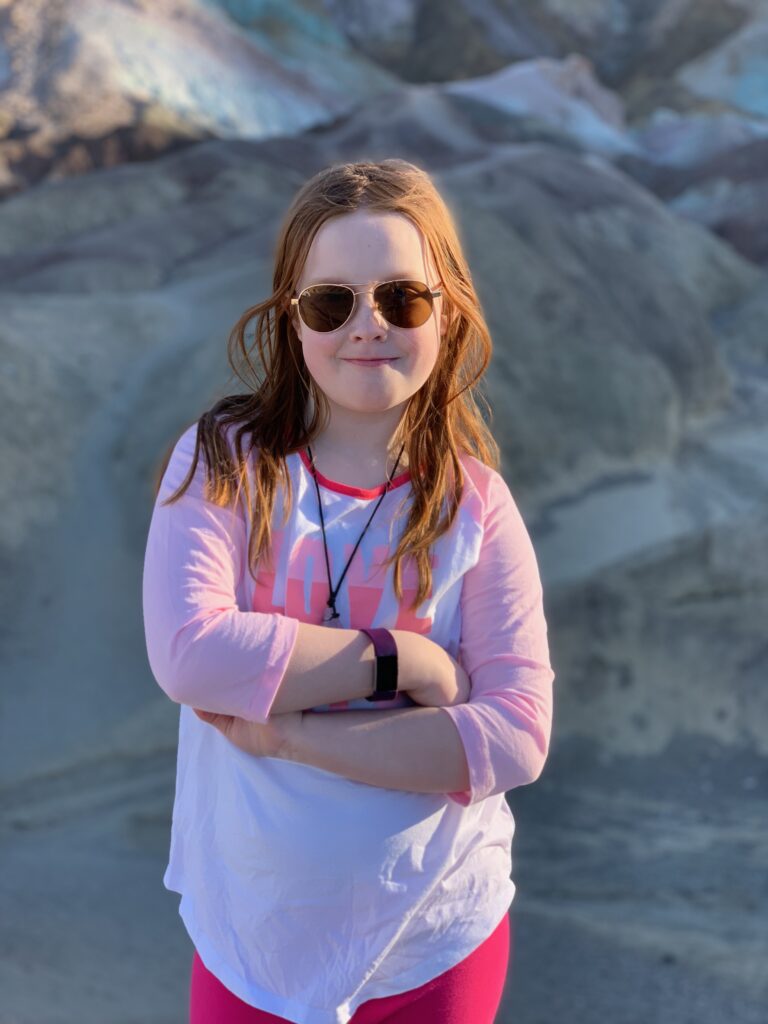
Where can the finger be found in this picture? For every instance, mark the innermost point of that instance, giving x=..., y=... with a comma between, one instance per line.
x=217, y=721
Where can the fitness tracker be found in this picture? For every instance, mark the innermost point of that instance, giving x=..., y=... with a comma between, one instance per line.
x=385, y=678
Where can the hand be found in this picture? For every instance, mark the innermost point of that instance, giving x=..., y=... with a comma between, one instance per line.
x=430, y=676
x=269, y=739
x=453, y=688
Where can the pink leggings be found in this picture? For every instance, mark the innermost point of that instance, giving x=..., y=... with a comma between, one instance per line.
x=468, y=993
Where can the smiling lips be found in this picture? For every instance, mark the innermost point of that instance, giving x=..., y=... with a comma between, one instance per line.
x=371, y=362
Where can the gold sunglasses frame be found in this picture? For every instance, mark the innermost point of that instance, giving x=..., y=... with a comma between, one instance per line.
x=434, y=292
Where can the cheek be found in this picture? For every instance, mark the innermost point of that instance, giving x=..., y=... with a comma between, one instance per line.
x=425, y=351
x=318, y=350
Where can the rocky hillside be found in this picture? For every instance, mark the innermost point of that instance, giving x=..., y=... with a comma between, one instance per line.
x=606, y=165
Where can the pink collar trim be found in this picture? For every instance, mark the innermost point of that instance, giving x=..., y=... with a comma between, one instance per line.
x=354, y=492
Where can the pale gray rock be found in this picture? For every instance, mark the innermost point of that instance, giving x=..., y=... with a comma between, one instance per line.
x=564, y=94
x=725, y=192
x=736, y=71
x=430, y=42
x=92, y=83
x=598, y=279
x=599, y=301
x=630, y=398
x=672, y=139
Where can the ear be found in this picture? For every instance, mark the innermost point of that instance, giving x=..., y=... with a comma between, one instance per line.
x=447, y=319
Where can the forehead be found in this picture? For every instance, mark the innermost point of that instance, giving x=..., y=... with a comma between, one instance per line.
x=364, y=246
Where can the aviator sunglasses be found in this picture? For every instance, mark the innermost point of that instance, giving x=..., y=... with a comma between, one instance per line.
x=327, y=307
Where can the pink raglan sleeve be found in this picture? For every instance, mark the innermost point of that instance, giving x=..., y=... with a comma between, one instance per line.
x=506, y=724
x=203, y=649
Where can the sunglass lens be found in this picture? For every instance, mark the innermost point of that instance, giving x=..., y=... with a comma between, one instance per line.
x=405, y=303
x=325, y=308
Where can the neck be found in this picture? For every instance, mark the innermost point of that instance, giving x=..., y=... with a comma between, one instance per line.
x=361, y=440
x=357, y=470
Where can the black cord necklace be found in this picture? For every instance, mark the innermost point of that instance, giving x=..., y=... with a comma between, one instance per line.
x=331, y=616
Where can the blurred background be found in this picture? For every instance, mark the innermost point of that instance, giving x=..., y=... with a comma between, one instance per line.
x=607, y=165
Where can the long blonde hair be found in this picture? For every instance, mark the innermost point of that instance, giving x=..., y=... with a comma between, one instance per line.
x=441, y=418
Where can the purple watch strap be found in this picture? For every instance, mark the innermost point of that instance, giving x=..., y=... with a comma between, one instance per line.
x=386, y=664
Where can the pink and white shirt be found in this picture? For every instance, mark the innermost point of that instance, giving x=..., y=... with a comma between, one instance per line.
x=304, y=892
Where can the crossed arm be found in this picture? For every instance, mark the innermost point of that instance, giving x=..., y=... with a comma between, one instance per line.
x=411, y=748
x=417, y=749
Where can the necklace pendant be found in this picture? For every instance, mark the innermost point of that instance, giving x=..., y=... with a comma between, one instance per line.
x=332, y=617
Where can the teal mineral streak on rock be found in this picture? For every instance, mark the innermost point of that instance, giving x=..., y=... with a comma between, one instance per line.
x=751, y=88
x=266, y=14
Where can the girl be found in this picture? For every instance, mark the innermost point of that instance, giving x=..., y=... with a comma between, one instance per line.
x=363, y=679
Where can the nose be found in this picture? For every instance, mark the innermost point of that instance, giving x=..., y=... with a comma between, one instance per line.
x=367, y=319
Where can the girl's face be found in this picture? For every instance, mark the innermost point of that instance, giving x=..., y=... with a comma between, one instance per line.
x=362, y=249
